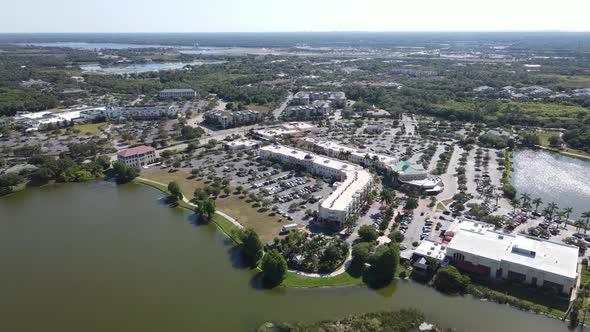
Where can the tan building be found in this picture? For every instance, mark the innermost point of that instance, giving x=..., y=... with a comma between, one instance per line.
x=138, y=156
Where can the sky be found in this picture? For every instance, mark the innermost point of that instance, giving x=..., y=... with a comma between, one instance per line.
x=299, y=15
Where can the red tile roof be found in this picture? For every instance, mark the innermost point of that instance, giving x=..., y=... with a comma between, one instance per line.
x=136, y=150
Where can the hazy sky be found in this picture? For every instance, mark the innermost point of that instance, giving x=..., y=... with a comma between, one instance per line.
x=298, y=15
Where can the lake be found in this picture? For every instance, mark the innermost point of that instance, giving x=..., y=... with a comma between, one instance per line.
x=139, y=68
x=554, y=178
x=101, y=257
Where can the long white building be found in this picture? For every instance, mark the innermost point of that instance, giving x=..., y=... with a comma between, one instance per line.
x=133, y=112
x=350, y=194
x=416, y=175
x=358, y=156
x=517, y=257
x=178, y=94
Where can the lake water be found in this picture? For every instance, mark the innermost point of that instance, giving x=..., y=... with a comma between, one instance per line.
x=97, y=257
x=93, y=46
x=142, y=67
x=553, y=178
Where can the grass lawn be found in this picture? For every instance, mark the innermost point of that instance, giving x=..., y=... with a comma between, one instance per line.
x=264, y=223
x=92, y=128
x=259, y=108
x=295, y=280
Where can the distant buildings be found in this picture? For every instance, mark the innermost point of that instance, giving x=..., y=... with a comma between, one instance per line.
x=416, y=175
x=35, y=121
x=374, y=128
x=178, y=94
x=484, y=89
x=291, y=128
x=349, y=195
x=227, y=119
x=358, y=156
x=130, y=112
x=138, y=156
x=316, y=110
x=583, y=93
x=336, y=99
x=413, y=72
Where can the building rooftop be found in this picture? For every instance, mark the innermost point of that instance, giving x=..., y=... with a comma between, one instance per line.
x=548, y=256
x=385, y=159
x=135, y=151
x=177, y=90
x=405, y=167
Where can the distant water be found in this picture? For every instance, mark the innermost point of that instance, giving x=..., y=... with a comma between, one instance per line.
x=142, y=67
x=553, y=178
x=92, y=46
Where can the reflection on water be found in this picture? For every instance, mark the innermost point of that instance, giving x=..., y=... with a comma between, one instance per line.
x=142, y=67
x=553, y=178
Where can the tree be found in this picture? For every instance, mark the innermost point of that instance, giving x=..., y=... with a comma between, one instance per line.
x=450, y=281
x=274, y=268
x=175, y=193
x=587, y=216
x=208, y=208
x=124, y=173
x=525, y=199
x=368, y=233
x=397, y=237
x=567, y=211
x=387, y=196
x=251, y=246
x=384, y=266
x=362, y=253
x=411, y=203
x=536, y=202
x=8, y=181
x=551, y=208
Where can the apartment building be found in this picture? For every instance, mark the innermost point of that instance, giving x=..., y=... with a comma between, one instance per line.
x=359, y=156
x=178, y=94
x=227, y=119
x=336, y=99
x=130, y=112
x=138, y=156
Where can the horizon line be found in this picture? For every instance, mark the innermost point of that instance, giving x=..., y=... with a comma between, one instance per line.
x=304, y=31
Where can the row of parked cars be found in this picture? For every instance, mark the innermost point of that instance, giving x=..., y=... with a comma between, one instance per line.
x=405, y=220
x=426, y=229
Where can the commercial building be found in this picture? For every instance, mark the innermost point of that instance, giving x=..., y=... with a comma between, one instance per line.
x=336, y=99
x=227, y=119
x=291, y=128
x=138, y=156
x=374, y=128
x=350, y=193
x=515, y=257
x=178, y=94
x=416, y=175
x=130, y=112
x=313, y=111
x=35, y=121
x=362, y=156
x=241, y=144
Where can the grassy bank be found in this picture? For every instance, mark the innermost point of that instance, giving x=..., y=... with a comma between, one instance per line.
x=296, y=280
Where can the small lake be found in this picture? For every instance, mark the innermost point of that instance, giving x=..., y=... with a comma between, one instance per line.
x=139, y=68
x=100, y=257
x=554, y=178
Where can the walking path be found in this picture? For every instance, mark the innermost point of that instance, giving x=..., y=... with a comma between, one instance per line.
x=184, y=199
x=338, y=271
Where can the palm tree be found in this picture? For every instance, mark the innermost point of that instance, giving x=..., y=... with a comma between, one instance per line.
x=551, y=207
x=579, y=224
x=537, y=201
x=525, y=197
x=567, y=211
x=516, y=204
x=587, y=216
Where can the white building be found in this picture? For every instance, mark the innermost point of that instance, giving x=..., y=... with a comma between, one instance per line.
x=316, y=110
x=515, y=257
x=291, y=128
x=241, y=144
x=178, y=94
x=132, y=112
x=138, y=156
x=416, y=175
x=337, y=99
x=350, y=194
x=358, y=156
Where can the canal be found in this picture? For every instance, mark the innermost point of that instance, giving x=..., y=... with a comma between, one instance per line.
x=97, y=257
x=554, y=178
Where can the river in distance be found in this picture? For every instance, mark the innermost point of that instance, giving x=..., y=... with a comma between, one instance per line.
x=554, y=178
x=101, y=257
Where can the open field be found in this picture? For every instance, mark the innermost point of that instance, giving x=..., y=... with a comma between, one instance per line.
x=266, y=224
x=566, y=81
x=295, y=280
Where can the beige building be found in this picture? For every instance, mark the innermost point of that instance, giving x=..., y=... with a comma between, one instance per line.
x=138, y=156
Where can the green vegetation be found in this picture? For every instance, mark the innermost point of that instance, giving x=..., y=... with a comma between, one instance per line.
x=274, y=268
x=343, y=279
x=449, y=280
x=382, y=321
x=124, y=173
x=8, y=182
x=175, y=193
x=368, y=233
x=250, y=246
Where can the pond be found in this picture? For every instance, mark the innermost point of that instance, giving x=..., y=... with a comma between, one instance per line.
x=101, y=257
x=139, y=68
x=554, y=178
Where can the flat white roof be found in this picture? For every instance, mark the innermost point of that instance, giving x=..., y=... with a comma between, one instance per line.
x=548, y=256
x=385, y=159
x=429, y=248
x=356, y=177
